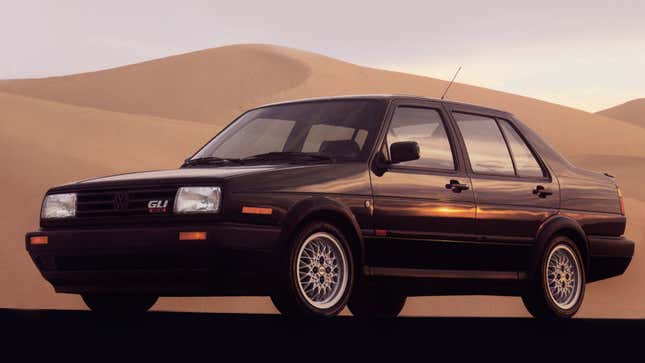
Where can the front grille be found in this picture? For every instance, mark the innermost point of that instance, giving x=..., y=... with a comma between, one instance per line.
x=124, y=202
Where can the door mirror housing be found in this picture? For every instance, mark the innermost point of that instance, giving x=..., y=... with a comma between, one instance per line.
x=404, y=151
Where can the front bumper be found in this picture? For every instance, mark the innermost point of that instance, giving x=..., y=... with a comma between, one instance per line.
x=609, y=256
x=234, y=259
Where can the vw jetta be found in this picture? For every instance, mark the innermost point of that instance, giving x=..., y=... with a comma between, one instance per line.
x=359, y=201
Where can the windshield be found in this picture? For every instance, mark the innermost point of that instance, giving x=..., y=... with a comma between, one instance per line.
x=334, y=129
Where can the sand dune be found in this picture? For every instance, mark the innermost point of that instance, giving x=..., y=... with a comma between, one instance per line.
x=215, y=85
x=59, y=129
x=209, y=86
x=632, y=111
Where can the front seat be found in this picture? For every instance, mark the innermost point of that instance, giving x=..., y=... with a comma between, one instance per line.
x=340, y=148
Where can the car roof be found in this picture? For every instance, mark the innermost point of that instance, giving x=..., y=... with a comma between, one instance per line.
x=391, y=97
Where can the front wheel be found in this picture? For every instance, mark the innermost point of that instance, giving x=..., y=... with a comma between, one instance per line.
x=113, y=304
x=317, y=273
x=558, y=289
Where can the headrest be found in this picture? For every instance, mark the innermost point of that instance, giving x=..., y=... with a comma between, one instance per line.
x=341, y=148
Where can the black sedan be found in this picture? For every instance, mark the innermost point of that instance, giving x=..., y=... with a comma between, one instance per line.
x=359, y=201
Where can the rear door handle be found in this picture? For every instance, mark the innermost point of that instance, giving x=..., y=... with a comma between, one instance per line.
x=456, y=186
x=541, y=191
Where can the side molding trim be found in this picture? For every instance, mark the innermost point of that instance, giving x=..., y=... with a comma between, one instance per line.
x=444, y=274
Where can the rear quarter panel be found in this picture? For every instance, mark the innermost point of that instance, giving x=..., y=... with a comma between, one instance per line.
x=592, y=200
x=588, y=197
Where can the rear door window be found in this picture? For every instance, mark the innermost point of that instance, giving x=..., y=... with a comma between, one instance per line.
x=487, y=150
x=525, y=162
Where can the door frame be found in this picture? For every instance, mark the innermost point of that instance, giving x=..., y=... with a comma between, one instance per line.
x=451, y=131
x=496, y=115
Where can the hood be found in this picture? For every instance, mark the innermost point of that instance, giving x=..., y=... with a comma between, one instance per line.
x=175, y=176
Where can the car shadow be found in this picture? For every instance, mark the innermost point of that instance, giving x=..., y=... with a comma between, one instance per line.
x=157, y=334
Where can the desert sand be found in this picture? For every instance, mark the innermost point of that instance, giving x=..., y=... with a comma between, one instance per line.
x=60, y=129
x=632, y=111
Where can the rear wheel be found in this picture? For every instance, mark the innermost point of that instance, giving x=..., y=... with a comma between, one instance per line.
x=558, y=289
x=119, y=304
x=317, y=273
x=376, y=302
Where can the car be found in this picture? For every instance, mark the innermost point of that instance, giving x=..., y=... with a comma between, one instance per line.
x=358, y=201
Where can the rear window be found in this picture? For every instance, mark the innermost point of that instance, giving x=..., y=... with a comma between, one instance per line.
x=319, y=133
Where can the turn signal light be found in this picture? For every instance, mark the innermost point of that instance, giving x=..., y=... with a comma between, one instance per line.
x=38, y=240
x=192, y=236
x=257, y=210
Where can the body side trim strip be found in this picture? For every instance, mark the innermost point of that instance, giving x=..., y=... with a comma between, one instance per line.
x=444, y=274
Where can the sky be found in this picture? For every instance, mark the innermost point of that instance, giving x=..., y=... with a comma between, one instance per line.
x=584, y=54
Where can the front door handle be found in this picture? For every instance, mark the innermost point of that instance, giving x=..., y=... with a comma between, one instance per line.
x=541, y=191
x=456, y=186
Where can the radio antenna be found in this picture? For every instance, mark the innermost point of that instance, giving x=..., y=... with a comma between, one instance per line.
x=450, y=84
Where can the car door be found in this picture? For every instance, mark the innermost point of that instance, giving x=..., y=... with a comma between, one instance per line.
x=514, y=191
x=424, y=210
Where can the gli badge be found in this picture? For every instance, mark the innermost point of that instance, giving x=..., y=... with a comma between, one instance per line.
x=157, y=206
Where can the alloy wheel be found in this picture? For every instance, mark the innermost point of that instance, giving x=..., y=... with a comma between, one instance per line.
x=322, y=270
x=563, y=277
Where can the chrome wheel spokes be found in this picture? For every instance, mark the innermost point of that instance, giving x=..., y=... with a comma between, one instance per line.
x=563, y=277
x=322, y=270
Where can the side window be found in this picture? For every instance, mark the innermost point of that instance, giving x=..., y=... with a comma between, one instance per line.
x=525, y=162
x=485, y=144
x=426, y=127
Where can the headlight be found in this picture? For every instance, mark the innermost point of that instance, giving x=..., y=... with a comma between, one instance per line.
x=198, y=200
x=59, y=206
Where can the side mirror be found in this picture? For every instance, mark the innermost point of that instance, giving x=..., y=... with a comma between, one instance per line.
x=404, y=151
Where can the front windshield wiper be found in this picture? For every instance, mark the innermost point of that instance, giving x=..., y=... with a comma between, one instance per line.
x=289, y=155
x=211, y=160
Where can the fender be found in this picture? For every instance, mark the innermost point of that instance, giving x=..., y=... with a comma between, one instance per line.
x=550, y=227
x=314, y=205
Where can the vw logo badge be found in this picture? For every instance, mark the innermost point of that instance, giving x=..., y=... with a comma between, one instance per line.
x=121, y=201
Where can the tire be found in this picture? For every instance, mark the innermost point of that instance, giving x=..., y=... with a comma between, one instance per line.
x=311, y=286
x=558, y=288
x=110, y=304
x=371, y=301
